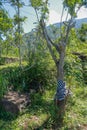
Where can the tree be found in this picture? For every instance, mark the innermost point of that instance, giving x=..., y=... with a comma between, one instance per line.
x=5, y=21
x=5, y=26
x=60, y=44
x=17, y=24
x=18, y=20
x=81, y=53
x=82, y=33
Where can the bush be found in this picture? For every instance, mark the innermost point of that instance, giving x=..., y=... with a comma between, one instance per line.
x=37, y=77
x=2, y=60
x=74, y=70
x=3, y=86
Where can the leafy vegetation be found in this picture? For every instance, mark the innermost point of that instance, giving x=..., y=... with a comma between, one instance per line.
x=3, y=85
x=41, y=113
x=28, y=65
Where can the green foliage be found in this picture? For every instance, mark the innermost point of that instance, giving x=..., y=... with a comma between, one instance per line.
x=3, y=85
x=29, y=77
x=17, y=19
x=5, y=21
x=76, y=109
x=2, y=60
x=36, y=3
x=82, y=33
x=41, y=113
x=71, y=5
x=40, y=74
x=73, y=69
x=73, y=64
x=6, y=115
x=13, y=76
x=41, y=6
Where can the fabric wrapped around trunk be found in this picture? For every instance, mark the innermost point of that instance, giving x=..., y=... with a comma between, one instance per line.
x=61, y=91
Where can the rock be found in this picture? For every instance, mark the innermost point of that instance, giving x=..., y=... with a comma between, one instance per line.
x=9, y=106
x=14, y=102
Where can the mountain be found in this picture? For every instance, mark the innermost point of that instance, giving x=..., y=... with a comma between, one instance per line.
x=52, y=29
x=78, y=23
x=30, y=39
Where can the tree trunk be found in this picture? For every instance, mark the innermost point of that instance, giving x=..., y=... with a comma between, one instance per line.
x=60, y=70
x=61, y=90
x=0, y=53
x=20, y=59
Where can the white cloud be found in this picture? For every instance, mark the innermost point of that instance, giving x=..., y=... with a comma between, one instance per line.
x=82, y=13
x=54, y=17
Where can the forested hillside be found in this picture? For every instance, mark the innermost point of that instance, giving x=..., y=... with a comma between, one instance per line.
x=43, y=73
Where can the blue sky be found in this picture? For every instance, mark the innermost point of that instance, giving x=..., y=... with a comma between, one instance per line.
x=55, y=9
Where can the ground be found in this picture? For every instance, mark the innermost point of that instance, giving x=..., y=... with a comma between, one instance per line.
x=40, y=115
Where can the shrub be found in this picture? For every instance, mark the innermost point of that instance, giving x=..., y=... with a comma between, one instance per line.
x=74, y=70
x=37, y=77
x=2, y=60
x=3, y=85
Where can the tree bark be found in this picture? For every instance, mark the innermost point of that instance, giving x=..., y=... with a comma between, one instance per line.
x=60, y=92
x=60, y=65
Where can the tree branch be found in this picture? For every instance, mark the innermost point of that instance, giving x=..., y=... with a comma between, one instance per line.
x=61, y=21
x=48, y=40
x=69, y=25
x=51, y=42
x=56, y=46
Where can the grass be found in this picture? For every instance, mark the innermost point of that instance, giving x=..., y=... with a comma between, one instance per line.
x=40, y=114
x=33, y=117
x=76, y=112
x=15, y=64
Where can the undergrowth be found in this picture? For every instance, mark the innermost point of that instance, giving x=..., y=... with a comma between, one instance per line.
x=40, y=115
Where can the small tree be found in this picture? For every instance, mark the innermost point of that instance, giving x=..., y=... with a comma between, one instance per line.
x=17, y=24
x=18, y=20
x=5, y=26
x=72, y=7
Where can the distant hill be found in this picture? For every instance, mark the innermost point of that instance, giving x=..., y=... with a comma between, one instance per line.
x=29, y=37
x=78, y=24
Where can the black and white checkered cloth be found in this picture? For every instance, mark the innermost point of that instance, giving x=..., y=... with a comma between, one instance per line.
x=61, y=90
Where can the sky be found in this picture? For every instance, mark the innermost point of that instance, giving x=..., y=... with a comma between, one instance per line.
x=55, y=10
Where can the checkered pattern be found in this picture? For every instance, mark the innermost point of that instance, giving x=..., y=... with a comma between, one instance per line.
x=61, y=90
